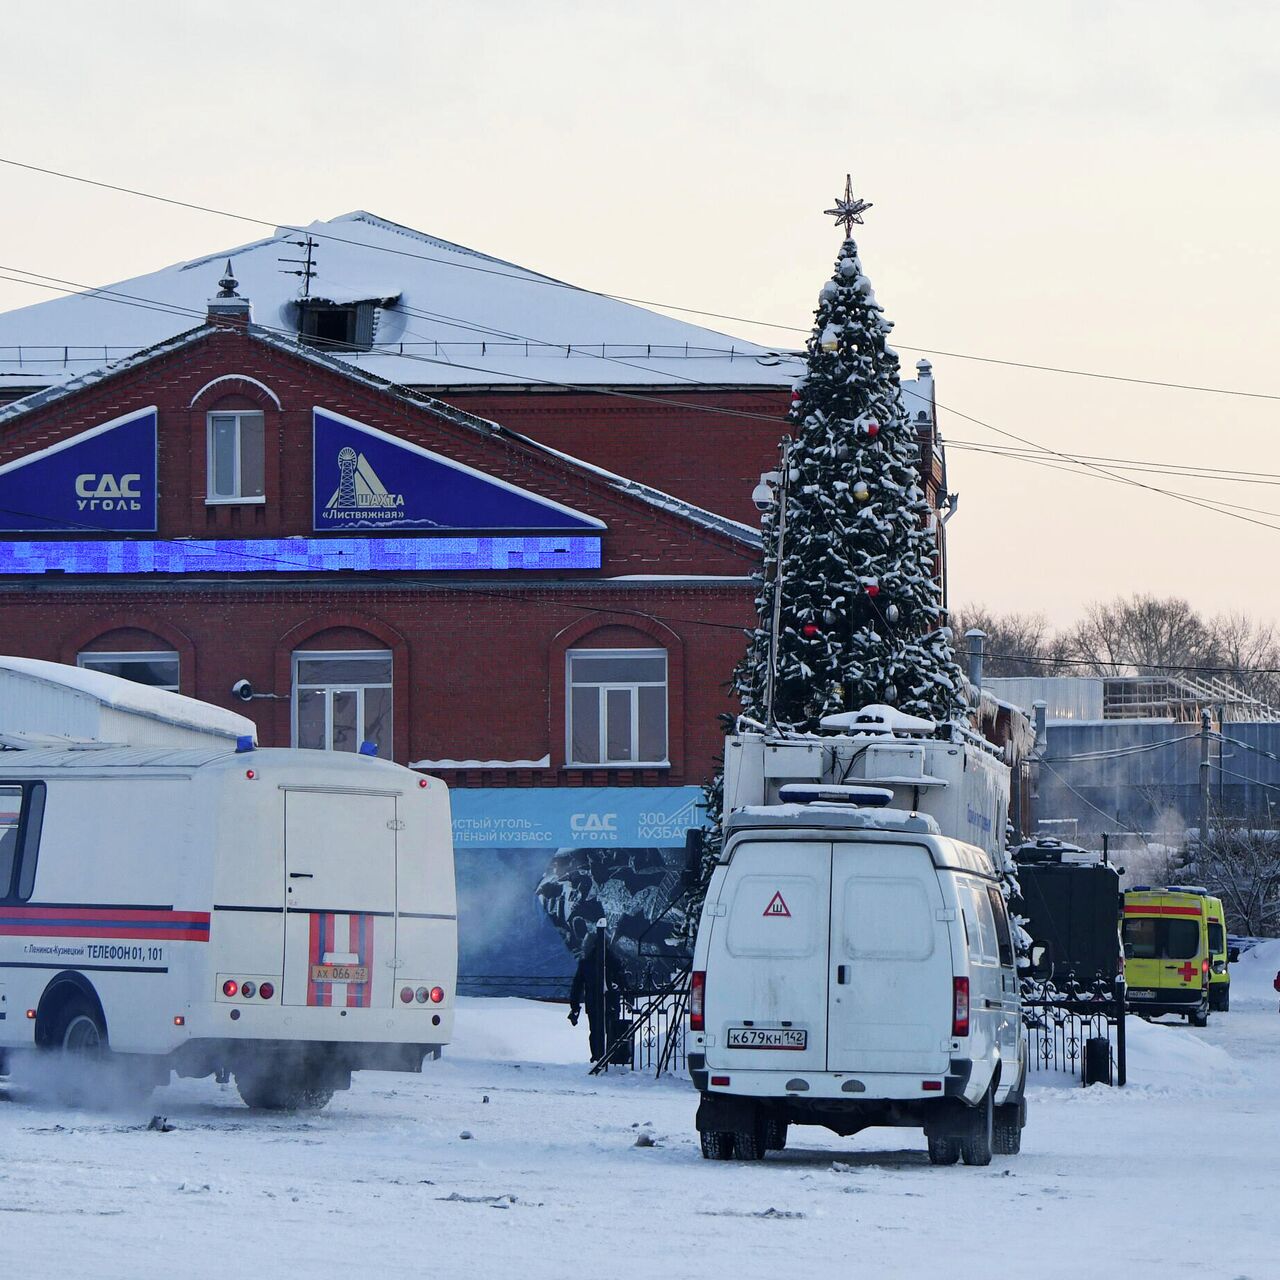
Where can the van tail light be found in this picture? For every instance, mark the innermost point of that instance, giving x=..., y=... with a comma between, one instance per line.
x=698, y=1001
x=959, y=1006
x=1204, y=969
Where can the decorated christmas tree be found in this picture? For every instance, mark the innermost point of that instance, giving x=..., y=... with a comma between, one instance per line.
x=855, y=599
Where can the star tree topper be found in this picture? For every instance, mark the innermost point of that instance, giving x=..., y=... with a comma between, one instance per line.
x=849, y=211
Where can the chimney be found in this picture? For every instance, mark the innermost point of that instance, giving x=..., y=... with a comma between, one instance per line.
x=977, y=651
x=1040, y=719
x=228, y=307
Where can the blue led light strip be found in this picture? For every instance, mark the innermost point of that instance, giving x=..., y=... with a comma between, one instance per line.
x=301, y=555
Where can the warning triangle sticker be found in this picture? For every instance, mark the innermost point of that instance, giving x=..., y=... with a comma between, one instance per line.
x=777, y=906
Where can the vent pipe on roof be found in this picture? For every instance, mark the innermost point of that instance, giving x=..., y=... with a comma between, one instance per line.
x=977, y=652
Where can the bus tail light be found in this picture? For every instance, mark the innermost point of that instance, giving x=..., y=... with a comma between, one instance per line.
x=406, y=995
x=437, y=995
x=698, y=1001
x=248, y=989
x=266, y=990
x=230, y=987
x=959, y=1006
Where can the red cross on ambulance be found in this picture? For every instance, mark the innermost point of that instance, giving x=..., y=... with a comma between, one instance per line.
x=1188, y=971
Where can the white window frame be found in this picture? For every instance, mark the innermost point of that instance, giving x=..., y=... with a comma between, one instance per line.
x=342, y=686
x=132, y=655
x=221, y=500
x=605, y=687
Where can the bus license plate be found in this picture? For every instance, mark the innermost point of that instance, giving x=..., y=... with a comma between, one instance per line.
x=767, y=1038
x=1141, y=995
x=340, y=973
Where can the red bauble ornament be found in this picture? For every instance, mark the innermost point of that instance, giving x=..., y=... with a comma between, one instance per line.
x=873, y=429
x=873, y=588
x=810, y=630
x=795, y=397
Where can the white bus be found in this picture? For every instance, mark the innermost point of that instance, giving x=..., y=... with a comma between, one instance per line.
x=281, y=916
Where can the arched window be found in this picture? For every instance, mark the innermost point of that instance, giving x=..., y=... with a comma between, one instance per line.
x=133, y=654
x=342, y=698
x=617, y=712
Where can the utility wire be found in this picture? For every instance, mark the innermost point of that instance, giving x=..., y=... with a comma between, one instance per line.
x=537, y=278
x=62, y=284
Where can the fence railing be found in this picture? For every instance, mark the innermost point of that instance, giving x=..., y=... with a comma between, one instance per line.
x=1077, y=1031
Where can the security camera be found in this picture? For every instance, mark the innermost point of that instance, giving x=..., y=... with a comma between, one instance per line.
x=243, y=690
x=763, y=494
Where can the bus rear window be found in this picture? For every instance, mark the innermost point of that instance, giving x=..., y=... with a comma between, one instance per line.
x=1155, y=938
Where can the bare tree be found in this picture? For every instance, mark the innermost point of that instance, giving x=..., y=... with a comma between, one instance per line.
x=1241, y=865
x=1141, y=634
x=1018, y=644
x=1250, y=651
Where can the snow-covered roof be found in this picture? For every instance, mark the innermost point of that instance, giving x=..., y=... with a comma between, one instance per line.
x=456, y=317
x=42, y=703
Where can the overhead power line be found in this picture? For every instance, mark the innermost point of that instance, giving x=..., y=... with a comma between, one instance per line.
x=551, y=282
x=61, y=284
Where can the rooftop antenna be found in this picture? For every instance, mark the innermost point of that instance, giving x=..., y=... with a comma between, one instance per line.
x=306, y=265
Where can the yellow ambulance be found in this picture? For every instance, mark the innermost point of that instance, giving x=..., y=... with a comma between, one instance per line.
x=1219, y=977
x=1168, y=953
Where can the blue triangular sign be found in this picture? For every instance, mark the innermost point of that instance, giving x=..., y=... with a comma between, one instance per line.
x=365, y=478
x=101, y=480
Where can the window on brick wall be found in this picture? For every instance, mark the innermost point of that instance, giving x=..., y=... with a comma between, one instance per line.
x=236, y=457
x=617, y=713
x=157, y=667
x=341, y=699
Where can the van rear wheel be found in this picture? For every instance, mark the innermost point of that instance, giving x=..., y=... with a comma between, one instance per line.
x=717, y=1145
x=749, y=1144
x=1006, y=1129
x=944, y=1150
x=775, y=1134
x=1199, y=1019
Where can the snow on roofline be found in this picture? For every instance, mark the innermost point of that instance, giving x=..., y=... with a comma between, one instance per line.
x=135, y=699
x=744, y=534
x=461, y=318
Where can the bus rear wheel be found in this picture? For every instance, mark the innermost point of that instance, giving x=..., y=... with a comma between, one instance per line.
x=262, y=1092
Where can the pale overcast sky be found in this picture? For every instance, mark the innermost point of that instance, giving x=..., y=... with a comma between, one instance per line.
x=1092, y=185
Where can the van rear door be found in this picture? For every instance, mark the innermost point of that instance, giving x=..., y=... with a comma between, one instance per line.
x=890, y=962
x=766, y=963
x=340, y=898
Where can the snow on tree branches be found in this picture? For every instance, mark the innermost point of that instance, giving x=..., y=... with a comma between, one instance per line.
x=860, y=607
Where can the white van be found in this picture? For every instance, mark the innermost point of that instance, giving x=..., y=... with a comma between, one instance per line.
x=853, y=967
x=282, y=916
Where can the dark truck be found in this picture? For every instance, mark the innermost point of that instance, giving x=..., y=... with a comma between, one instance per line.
x=1071, y=902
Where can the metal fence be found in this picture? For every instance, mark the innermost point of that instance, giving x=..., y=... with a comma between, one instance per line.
x=1076, y=1031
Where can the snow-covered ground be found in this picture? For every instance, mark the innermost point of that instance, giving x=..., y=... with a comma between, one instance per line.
x=505, y=1160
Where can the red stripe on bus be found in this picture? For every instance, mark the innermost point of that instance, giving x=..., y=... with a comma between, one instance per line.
x=313, y=958
x=175, y=934
x=139, y=915
x=353, y=945
x=368, y=930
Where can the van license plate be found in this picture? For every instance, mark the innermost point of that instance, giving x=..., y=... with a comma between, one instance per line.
x=767, y=1038
x=1141, y=995
x=340, y=973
